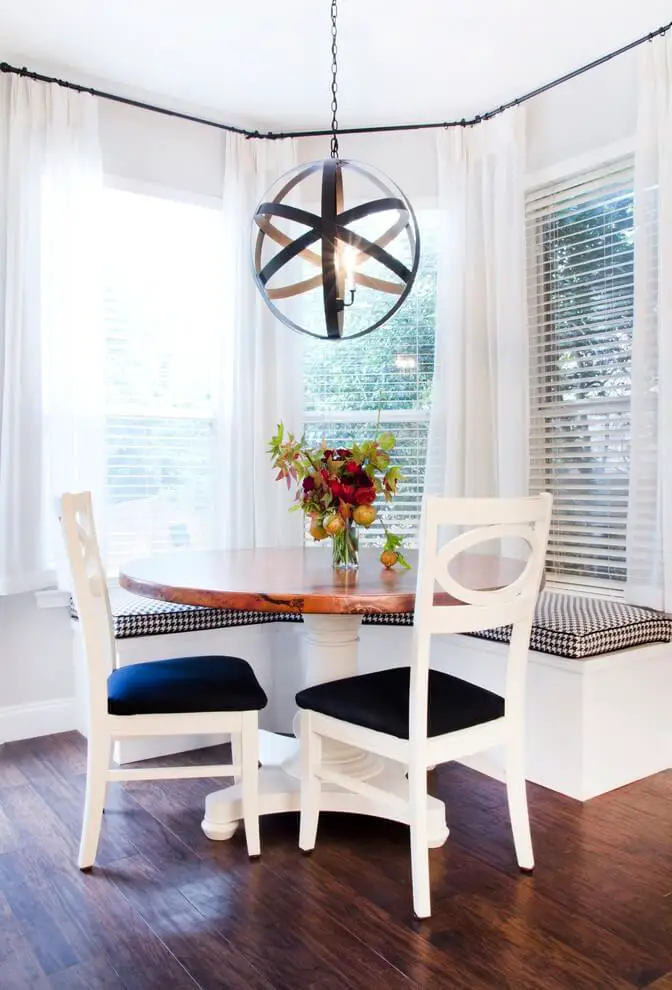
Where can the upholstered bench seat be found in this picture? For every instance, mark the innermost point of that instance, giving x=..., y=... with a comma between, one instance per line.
x=133, y=615
x=565, y=625
x=577, y=627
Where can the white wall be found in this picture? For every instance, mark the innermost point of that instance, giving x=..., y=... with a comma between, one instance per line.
x=578, y=117
x=35, y=661
x=146, y=147
x=583, y=115
x=36, y=669
x=593, y=111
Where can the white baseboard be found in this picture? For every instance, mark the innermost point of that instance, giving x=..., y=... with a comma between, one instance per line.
x=41, y=718
x=46, y=718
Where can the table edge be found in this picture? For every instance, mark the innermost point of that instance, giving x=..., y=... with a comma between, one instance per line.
x=249, y=601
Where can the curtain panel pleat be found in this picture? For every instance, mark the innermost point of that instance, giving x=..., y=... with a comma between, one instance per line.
x=478, y=437
x=649, y=523
x=50, y=352
x=263, y=381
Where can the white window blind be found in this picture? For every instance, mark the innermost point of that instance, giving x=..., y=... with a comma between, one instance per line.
x=390, y=369
x=581, y=288
x=163, y=330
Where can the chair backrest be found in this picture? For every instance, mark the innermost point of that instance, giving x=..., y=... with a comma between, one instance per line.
x=506, y=589
x=90, y=593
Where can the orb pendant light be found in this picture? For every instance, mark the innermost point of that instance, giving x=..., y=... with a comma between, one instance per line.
x=335, y=244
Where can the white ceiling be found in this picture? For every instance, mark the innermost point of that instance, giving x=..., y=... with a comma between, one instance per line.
x=267, y=62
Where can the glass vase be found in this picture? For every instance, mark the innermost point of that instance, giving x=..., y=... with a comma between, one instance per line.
x=345, y=547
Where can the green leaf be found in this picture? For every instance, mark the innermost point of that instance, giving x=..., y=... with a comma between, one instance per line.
x=392, y=541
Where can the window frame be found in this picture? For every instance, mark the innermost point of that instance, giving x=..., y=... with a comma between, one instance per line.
x=208, y=417
x=603, y=160
x=386, y=416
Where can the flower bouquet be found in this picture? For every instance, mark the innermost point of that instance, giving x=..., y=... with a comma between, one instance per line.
x=338, y=488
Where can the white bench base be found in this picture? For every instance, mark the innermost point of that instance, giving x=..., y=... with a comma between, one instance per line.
x=592, y=725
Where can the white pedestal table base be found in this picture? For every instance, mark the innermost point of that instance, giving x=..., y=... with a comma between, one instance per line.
x=329, y=653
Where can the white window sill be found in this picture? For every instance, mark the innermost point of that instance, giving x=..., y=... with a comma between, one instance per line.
x=58, y=598
x=613, y=593
x=52, y=598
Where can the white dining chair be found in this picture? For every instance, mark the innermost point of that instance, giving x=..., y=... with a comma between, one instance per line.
x=183, y=696
x=421, y=717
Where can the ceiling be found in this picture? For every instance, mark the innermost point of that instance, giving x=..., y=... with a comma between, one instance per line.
x=266, y=63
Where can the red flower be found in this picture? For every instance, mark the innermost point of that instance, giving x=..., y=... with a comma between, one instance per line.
x=351, y=467
x=365, y=495
x=343, y=453
x=340, y=491
x=308, y=484
x=335, y=487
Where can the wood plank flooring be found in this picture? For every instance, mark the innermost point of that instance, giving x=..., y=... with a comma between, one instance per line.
x=167, y=908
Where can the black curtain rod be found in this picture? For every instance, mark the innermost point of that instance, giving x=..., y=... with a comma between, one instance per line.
x=274, y=136
x=115, y=98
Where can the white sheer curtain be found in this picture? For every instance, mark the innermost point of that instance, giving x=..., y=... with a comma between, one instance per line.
x=649, y=526
x=264, y=363
x=478, y=438
x=50, y=178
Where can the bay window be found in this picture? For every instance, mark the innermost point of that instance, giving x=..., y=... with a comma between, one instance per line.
x=382, y=381
x=581, y=298
x=163, y=330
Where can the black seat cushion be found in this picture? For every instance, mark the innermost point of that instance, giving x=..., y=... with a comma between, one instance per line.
x=379, y=701
x=187, y=684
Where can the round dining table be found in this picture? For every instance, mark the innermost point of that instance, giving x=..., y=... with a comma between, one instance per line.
x=332, y=603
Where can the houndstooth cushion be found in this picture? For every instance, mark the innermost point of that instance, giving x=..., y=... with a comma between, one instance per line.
x=135, y=616
x=564, y=625
x=576, y=627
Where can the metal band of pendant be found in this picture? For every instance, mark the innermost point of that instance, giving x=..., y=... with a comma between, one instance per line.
x=333, y=307
x=316, y=257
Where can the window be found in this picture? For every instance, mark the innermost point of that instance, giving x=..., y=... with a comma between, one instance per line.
x=163, y=325
x=390, y=369
x=581, y=294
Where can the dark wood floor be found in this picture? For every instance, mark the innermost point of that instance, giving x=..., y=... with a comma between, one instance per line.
x=167, y=908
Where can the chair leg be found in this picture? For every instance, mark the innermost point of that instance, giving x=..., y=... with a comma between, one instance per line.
x=236, y=753
x=417, y=793
x=97, y=764
x=249, y=739
x=516, y=789
x=311, y=756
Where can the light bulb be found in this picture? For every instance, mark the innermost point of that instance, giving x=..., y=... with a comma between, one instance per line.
x=349, y=266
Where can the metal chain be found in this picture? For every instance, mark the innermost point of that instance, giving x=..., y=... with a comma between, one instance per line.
x=334, y=84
